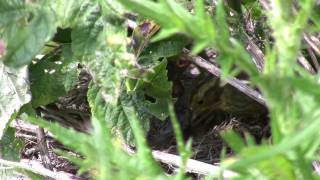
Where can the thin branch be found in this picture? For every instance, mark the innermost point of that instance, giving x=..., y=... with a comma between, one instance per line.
x=37, y=168
x=42, y=145
x=316, y=166
x=192, y=166
x=310, y=41
x=238, y=84
x=314, y=59
x=256, y=53
x=305, y=64
x=24, y=126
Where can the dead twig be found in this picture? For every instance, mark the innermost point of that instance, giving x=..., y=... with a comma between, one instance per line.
x=24, y=126
x=192, y=166
x=310, y=40
x=314, y=59
x=44, y=152
x=256, y=53
x=238, y=84
x=305, y=64
x=36, y=167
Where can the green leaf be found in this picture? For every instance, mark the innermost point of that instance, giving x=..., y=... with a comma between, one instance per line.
x=155, y=91
x=10, y=146
x=14, y=92
x=276, y=167
x=184, y=150
x=86, y=36
x=144, y=151
x=25, y=42
x=113, y=112
x=11, y=11
x=118, y=118
x=109, y=62
x=67, y=11
x=163, y=49
x=53, y=77
x=234, y=140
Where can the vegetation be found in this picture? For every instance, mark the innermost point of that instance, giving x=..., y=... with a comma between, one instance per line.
x=127, y=47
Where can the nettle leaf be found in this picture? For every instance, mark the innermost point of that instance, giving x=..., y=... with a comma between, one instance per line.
x=114, y=114
x=53, y=77
x=99, y=41
x=10, y=146
x=162, y=49
x=86, y=35
x=25, y=42
x=67, y=11
x=154, y=91
x=110, y=6
x=11, y=10
x=14, y=92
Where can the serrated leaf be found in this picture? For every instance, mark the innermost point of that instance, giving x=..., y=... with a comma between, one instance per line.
x=14, y=92
x=154, y=91
x=25, y=42
x=163, y=49
x=53, y=77
x=110, y=61
x=67, y=11
x=11, y=10
x=121, y=119
x=111, y=6
x=114, y=112
x=86, y=34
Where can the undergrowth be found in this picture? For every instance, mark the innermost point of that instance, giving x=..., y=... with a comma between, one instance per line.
x=93, y=33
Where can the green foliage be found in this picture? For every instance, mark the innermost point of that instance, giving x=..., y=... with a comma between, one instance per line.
x=234, y=140
x=105, y=157
x=130, y=85
x=184, y=150
x=10, y=146
x=118, y=118
x=173, y=18
x=67, y=11
x=25, y=39
x=88, y=32
x=156, y=86
x=53, y=77
x=167, y=48
x=287, y=101
x=11, y=11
